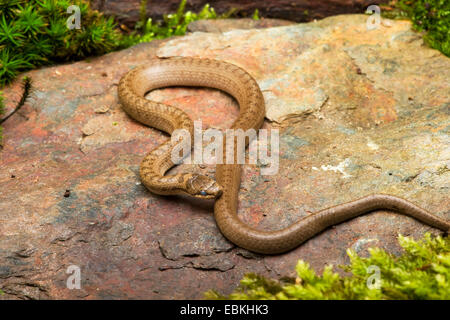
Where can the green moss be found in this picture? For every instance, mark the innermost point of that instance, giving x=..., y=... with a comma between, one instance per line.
x=431, y=16
x=142, y=14
x=34, y=33
x=174, y=24
x=255, y=15
x=421, y=272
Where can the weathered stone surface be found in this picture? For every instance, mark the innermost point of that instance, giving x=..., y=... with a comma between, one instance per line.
x=127, y=12
x=221, y=262
x=224, y=25
x=198, y=237
x=358, y=111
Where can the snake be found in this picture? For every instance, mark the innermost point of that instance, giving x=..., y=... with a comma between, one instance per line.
x=203, y=72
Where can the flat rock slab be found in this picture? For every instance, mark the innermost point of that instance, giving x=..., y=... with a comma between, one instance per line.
x=359, y=112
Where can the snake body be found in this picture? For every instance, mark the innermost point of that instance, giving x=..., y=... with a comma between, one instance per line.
x=238, y=83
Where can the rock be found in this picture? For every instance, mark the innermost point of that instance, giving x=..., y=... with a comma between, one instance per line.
x=119, y=233
x=197, y=237
x=358, y=111
x=224, y=25
x=127, y=12
x=220, y=262
x=102, y=109
x=248, y=254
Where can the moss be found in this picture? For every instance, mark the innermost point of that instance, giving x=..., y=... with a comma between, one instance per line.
x=430, y=16
x=421, y=272
x=142, y=13
x=35, y=33
x=255, y=15
x=174, y=24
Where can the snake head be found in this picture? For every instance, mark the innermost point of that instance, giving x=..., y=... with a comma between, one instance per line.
x=203, y=187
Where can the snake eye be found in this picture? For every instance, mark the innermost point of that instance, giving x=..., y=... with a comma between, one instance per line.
x=203, y=193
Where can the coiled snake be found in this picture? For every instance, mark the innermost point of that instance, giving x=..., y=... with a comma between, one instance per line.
x=231, y=79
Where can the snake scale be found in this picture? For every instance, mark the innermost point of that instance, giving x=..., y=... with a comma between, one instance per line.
x=199, y=72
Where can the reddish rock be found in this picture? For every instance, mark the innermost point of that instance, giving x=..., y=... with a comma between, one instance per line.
x=197, y=237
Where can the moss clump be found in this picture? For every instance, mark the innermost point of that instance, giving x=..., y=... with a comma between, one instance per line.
x=174, y=24
x=255, y=15
x=431, y=16
x=421, y=272
x=35, y=32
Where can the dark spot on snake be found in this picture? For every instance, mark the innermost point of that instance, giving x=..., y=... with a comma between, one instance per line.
x=13, y=176
x=67, y=194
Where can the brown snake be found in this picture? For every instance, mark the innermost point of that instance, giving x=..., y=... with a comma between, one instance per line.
x=238, y=83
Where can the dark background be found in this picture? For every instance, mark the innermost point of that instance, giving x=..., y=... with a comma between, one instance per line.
x=127, y=12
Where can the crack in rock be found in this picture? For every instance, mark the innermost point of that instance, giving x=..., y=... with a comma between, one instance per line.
x=197, y=237
x=218, y=262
